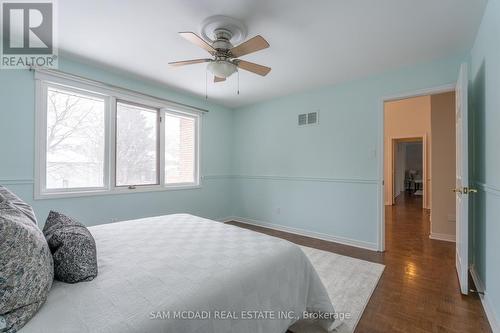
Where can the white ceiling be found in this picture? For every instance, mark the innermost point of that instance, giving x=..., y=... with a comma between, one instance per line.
x=313, y=43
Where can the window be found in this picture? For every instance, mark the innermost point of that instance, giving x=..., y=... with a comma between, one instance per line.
x=180, y=145
x=100, y=140
x=136, y=145
x=75, y=140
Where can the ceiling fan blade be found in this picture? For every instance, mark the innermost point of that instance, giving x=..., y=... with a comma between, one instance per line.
x=251, y=67
x=197, y=40
x=254, y=44
x=188, y=62
x=219, y=79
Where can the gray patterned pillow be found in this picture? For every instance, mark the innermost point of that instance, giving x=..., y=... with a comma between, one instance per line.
x=6, y=195
x=73, y=248
x=26, y=268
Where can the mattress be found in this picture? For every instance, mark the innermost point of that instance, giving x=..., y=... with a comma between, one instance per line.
x=181, y=273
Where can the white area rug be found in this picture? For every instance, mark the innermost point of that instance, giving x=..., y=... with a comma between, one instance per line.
x=350, y=283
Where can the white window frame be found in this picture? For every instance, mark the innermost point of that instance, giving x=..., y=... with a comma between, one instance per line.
x=44, y=80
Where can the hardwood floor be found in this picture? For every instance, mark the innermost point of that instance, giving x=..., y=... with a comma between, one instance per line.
x=418, y=291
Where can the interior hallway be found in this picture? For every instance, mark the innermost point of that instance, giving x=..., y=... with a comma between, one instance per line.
x=418, y=291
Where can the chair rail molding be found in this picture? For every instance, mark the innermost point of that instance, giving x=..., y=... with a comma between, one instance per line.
x=16, y=181
x=308, y=179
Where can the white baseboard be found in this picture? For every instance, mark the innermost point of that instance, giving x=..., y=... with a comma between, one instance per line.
x=488, y=309
x=302, y=232
x=475, y=277
x=442, y=237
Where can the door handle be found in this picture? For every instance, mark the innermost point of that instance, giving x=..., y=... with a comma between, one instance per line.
x=469, y=190
x=464, y=190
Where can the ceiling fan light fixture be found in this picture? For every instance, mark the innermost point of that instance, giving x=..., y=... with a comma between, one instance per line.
x=222, y=68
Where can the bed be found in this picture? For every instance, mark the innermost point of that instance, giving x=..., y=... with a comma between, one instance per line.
x=181, y=273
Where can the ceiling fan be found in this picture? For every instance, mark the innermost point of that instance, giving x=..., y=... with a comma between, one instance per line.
x=225, y=57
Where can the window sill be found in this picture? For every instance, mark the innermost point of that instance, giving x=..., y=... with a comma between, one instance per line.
x=114, y=191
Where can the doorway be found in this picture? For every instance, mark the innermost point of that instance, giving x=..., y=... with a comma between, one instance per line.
x=455, y=224
x=407, y=121
x=419, y=164
x=408, y=170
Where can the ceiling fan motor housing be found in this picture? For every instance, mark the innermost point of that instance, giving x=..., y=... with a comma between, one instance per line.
x=222, y=67
x=223, y=39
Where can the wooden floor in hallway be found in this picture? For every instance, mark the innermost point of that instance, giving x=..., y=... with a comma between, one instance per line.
x=418, y=291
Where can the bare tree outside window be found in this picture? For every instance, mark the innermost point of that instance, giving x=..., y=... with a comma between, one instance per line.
x=75, y=140
x=136, y=145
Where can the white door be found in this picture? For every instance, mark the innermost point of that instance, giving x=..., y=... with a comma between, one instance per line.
x=462, y=181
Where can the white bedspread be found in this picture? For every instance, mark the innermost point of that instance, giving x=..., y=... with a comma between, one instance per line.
x=153, y=268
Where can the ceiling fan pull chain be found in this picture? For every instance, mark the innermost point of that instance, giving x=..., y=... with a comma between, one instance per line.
x=238, y=82
x=206, y=84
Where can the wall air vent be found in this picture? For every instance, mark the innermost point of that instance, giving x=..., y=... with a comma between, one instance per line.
x=302, y=119
x=310, y=118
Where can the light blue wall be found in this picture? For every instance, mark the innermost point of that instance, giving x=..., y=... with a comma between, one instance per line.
x=485, y=119
x=322, y=178
x=17, y=112
x=258, y=164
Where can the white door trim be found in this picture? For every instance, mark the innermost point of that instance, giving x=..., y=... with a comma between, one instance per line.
x=381, y=202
